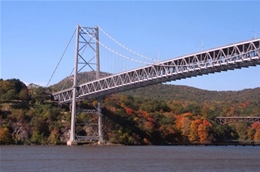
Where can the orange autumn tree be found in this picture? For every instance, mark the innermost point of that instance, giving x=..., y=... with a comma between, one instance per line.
x=199, y=131
x=183, y=125
x=146, y=122
x=256, y=127
x=257, y=136
x=129, y=110
x=203, y=131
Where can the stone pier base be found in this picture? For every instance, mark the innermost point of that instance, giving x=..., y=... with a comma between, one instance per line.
x=71, y=143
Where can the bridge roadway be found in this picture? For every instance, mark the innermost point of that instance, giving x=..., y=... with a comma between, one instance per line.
x=229, y=57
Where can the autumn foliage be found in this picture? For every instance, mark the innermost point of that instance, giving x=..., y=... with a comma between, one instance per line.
x=30, y=116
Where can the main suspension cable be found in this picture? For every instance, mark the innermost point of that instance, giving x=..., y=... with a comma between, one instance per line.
x=61, y=57
x=121, y=45
x=113, y=51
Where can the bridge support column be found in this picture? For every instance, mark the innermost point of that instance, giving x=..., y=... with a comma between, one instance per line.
x=100, y=125
x=72, y=140
x=100, y=129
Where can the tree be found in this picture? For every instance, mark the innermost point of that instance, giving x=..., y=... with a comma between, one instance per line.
x=54, y=137
x=185, y=127
x=241, y=129
x=39, y=95
x=257, y=136
x=224, y=133
x=9, y=96
x=37, y=138
x=18, y=85
x=10, y=89
x=193, y=134
x=203, y=133
x=23, y=95
x=5, y=136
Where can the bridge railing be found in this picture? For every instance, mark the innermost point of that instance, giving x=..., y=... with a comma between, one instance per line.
x=230, y=57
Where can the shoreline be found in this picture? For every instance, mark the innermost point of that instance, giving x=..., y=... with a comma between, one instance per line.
x=177, y=144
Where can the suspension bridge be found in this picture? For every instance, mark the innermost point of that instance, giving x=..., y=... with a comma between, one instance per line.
x=224, y=58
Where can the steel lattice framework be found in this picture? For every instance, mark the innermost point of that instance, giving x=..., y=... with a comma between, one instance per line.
x=230, y=57
x=227, y=120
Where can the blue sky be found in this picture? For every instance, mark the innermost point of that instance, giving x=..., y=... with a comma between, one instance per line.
x=34, y=35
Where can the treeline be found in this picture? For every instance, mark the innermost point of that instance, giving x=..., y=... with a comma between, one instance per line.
x=148, y=121
x=167, y=92
x=28, y=115
x=13, y=89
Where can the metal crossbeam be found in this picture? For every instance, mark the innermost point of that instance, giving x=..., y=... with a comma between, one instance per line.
x=91, y=111
x=230, y=57
x=87, y=138
x=227, y=120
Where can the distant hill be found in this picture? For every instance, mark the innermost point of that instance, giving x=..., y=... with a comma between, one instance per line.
x=32, y=86
x=82, y=78
x=168, y=92
x=175, y=92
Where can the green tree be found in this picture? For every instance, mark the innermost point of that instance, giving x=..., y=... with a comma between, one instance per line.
x=37, y=138
x=39, y=95
x=54, y=137
x=241, y=129
x=23, y=95
x=224, y=133
x=18, y=85
x=9, y=96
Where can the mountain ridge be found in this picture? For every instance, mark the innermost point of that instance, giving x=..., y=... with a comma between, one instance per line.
x=168, y=92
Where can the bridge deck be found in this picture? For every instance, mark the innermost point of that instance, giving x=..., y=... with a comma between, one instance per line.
x=230, y=57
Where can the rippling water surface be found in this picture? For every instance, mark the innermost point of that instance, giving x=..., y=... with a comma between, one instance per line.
x=129, y=158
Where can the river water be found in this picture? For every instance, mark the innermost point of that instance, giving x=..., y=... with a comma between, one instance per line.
x=129, y=158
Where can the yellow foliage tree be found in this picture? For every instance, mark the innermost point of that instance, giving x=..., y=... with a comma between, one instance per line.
x=193, y=135
x=5, y=136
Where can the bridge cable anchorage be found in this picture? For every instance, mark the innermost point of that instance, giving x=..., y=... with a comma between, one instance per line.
x=61, y=57
x=113, y=51
x=128, y=49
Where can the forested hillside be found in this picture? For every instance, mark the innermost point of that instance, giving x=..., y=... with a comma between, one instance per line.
x=168, y=92
x=159, y=114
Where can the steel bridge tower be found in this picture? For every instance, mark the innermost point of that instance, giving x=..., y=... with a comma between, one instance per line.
x=87, y=38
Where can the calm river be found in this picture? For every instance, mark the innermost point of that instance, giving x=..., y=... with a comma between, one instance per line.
x=129, y=158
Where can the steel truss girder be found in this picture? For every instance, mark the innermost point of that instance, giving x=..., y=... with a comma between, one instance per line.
x=93, y=126
x=230, y=57
x=227, y=120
